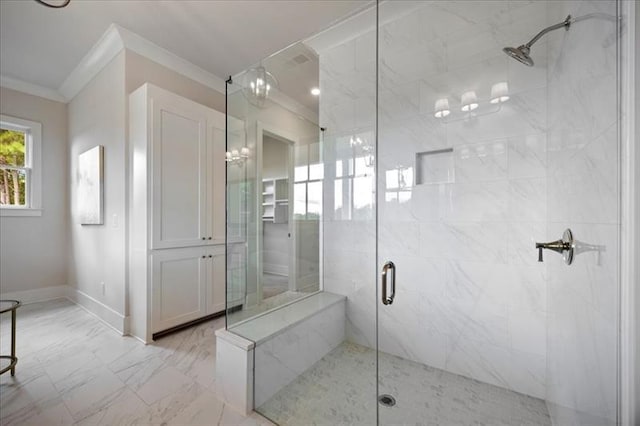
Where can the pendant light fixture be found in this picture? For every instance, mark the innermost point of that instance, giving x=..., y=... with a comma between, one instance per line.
x=54, y=4
x=257, y=85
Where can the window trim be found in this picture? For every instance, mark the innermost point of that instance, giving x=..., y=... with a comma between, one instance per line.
x=33, y=163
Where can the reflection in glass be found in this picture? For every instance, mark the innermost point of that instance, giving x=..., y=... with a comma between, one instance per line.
x=274, y=184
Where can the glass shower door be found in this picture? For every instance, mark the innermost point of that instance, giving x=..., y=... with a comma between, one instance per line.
x=480, y=157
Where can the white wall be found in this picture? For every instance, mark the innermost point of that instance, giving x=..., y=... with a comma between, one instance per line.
x=583, y=194
x=471, y=296
x=140, y=70
x=275, y=155
x=33, y=250
x=98, y=252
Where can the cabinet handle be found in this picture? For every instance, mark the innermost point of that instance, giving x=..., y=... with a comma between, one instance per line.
x=204, y=238
x=204, y=257
x=209, y=237
x=210, y=255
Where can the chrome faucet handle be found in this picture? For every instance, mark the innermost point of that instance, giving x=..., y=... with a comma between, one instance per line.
x=564, y=246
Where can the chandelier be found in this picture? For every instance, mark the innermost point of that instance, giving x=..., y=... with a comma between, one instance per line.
x=257, y=85
x=55, y=5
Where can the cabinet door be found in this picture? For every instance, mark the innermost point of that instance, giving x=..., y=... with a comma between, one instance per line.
x=179, y=173
x=216, y=286
x=179, y=287
x=216, y=176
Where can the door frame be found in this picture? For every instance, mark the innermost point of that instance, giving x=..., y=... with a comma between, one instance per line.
x=292, y=141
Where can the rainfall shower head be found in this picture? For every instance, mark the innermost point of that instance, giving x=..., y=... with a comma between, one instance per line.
x=520, y=54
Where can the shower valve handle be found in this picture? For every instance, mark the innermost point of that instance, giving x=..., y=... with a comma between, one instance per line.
x=564, y=246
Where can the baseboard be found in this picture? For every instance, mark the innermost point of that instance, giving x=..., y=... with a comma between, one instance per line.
x=275, y=269
x=38, y=295
x=110, y=317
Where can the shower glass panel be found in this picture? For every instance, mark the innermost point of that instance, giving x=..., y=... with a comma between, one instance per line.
x=329, y=374
x=480, y=156
x=274, y=189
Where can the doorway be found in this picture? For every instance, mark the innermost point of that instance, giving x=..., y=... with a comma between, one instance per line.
x=276, y=269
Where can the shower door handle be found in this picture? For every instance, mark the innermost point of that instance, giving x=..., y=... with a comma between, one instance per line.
x=388, y=267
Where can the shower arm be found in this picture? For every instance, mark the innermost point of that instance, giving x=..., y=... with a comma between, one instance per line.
x=566, y=24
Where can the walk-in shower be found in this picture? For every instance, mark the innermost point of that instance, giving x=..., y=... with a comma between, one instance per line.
x=416, y=295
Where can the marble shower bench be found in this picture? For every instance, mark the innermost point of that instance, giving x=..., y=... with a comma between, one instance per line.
x=259, y=356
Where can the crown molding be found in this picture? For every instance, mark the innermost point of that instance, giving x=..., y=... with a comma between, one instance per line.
x=105, y=49
x=144, y=47
x=295, y=107
x=117, y=38
x=31, y=89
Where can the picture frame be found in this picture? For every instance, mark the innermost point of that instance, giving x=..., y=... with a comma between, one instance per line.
x=90, y=183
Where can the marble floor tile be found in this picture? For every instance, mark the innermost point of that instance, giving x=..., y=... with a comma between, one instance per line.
x=36, y=402
x=341, y=389
x=74, y=370
x=166, y=381
x=93, y=395
x=122, y=411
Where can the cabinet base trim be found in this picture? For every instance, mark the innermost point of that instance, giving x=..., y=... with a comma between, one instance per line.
x=168, y=331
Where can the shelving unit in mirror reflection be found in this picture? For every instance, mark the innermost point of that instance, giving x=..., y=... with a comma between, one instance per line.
x=275, y=200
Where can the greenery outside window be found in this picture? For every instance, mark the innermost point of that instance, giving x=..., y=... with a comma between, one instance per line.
x=20, y=172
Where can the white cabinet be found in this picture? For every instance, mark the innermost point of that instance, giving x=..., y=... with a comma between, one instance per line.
x=178, y=286
x=177, y=211
x=186, y=285
x=216, y=280
x=187, y=145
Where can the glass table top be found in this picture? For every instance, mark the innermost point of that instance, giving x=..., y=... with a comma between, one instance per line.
x=8, y=305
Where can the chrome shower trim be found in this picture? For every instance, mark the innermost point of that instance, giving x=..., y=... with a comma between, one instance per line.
x=566, y=24
x=521, y=53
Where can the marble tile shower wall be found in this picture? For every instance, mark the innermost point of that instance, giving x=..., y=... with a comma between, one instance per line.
x=471, y=296
x=583, y=193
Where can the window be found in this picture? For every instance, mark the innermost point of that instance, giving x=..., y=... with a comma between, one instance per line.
x=307, y=187
x=20, y=174
x=354, y=184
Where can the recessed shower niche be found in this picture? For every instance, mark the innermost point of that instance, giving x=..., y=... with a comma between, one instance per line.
x=437, y=166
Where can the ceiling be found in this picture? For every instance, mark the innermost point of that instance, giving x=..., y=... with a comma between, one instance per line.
x=41, y=46
x=297, y=70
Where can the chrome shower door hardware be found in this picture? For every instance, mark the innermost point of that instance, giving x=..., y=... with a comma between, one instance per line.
x=565, y=246
x=388, y=267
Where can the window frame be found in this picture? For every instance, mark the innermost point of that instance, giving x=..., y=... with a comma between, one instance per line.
x=307, y=165
x=32, y=166
x=350, y=171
